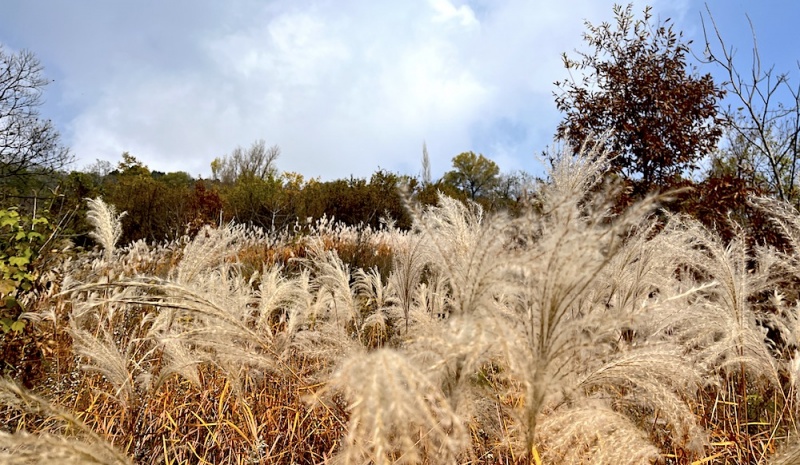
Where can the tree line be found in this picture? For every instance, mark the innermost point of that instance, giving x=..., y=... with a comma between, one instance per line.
x=247, y=187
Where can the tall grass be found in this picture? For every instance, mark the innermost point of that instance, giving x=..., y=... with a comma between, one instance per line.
x=567, y=334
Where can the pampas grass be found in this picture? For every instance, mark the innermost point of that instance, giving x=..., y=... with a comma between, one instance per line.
x=396, y=414
x=567, y=334
x=107, y=225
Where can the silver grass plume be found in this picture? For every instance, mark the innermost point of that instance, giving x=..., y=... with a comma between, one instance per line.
x=594, y=433
x=553, y=330
x=466, y=250
x=379, y=303
x=568, y=250
x=332, y=277
x=102, y=355
x=789, y=456
x=397, y=415
x=723, y=329
x=107, y=224
x=408, y=263
x=209, y=248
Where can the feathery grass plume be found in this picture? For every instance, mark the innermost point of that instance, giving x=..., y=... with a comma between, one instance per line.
x=431, y=297
x=210, y=247
x=460, y=355
x=82, y=446
x=785, y=265
x=723, y=329
x=108, y=337
x=467, y=251
x=784, y=216
x=594, y=433
x=786, y=321
x=315, y=329
x=107, y=225
x=276, y=295
x=380, y=304
x=465, y=267
x=790, y=456
x=307, y=309
x=408, y=263
x=179, y=359
x=397, y=415
x=31, y=449
x=369, y=288
x=649, y=384
x=638, y=270
x=212, y=317
x=215, y=319
x=332, y=276
x=105, y=357
x=561, y=264
x=315, y=333
x=553, y=329
x=572, y=177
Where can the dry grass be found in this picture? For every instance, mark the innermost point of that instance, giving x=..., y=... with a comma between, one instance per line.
x=565, y=335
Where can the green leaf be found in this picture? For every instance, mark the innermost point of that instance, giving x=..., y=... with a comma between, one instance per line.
x=8, y=221
x=35, y=235
x=19, y=261
x=20, y=235
x=18, y=326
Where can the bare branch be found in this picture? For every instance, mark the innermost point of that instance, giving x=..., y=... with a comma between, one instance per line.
x=767, y=116
x=29, y=146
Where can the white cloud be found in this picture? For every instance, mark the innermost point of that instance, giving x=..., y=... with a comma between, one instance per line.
x=446, y=11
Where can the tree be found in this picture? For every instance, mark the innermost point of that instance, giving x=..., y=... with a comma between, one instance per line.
x=426, y=166
x=132, y=166
x=475, y=175
x=512, y=191
x=639, y=98
x=29, y=145
x=256, y=162
x=765, y=121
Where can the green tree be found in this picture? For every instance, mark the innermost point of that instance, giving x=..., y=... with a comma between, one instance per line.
x=639, y=97
x=159, y=206
x=255, y=201
x=131, y=166
x=474, y=175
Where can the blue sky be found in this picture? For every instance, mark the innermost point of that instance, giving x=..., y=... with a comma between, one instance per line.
x=343, y=87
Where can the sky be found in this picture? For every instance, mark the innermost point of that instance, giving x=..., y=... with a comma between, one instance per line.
x=343, y=87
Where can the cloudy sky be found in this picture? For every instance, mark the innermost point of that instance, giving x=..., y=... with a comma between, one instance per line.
x=344, y=87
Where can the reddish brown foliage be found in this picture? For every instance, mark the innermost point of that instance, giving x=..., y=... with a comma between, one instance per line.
x=658, y=118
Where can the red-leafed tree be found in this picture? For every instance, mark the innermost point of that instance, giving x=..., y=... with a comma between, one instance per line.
x=658, y=118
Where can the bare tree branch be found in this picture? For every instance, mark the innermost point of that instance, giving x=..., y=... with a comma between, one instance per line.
x=256, y=162
x=29, y=146
x=768, y=119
